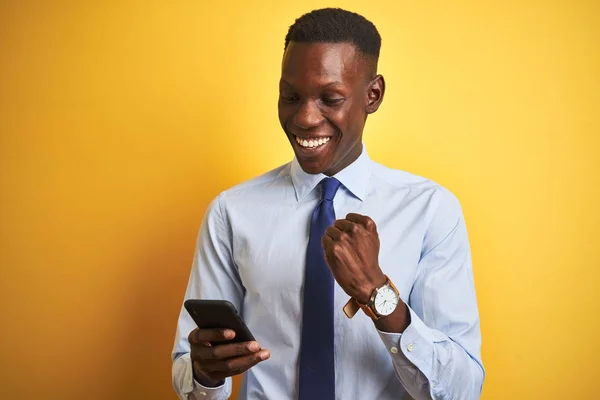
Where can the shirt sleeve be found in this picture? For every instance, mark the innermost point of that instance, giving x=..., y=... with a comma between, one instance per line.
x=438, y=356
x=187, y=388
x=214, y=275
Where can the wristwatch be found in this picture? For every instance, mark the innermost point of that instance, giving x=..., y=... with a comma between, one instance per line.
x=383, y=301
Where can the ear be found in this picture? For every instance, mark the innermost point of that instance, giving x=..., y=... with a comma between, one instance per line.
x=375, y=92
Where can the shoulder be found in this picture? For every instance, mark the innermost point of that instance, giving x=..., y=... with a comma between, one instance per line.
x=260, y=188
x=397, y=179
x=276, y=178
x=441, y=207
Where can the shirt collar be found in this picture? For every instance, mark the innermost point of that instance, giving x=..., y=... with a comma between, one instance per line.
x=354, y=177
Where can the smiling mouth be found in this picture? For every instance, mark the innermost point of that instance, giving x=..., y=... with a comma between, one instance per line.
x=312, y=143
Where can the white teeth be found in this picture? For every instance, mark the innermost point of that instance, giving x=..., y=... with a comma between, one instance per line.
x=312, y=143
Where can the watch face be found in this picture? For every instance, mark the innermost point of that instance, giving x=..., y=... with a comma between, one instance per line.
x=386, y=301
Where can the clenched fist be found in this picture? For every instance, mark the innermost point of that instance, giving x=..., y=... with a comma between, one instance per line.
x=351, y=248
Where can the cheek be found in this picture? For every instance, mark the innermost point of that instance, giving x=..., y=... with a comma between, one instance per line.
x=347, y=120
x=340, y=117
x=283, y=114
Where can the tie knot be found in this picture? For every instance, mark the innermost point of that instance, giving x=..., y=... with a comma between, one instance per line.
x=329, y=187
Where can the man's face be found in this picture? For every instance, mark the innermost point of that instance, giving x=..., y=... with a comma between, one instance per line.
x=322, y=104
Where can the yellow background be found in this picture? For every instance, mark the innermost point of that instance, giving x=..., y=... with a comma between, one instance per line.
x=120, y=121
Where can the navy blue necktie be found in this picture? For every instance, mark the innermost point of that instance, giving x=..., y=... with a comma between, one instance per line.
x=317, y=370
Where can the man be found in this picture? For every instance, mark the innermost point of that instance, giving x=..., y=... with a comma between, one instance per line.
x=301, y=248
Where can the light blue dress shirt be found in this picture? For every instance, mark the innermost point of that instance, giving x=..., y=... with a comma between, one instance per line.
x=251, y=251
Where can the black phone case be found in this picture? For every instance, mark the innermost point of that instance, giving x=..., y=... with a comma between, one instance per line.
x=218, y=314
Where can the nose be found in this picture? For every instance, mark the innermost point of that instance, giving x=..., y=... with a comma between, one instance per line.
x=307, y=115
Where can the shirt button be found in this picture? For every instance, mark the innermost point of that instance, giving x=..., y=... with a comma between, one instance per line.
x=203, y=394
x=394, y=350
x=411, y=347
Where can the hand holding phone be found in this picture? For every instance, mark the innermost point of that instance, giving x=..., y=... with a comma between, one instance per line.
x=222, y=345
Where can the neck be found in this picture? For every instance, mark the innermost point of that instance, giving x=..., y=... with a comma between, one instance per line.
x=352, y=156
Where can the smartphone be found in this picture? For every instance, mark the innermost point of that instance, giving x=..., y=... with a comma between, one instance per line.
x=219, y=314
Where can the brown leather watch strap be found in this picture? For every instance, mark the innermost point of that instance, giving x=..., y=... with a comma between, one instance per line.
x=369, y=311
x=351, y=308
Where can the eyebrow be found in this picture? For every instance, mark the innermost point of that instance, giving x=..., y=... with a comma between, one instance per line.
x=334, y=83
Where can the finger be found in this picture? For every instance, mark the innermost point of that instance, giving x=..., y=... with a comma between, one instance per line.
x=363, y=220
x=345, y=225
x=223, y=351
x=333, y=232
x=201, y=336
x=238, y=365
x=326, y=242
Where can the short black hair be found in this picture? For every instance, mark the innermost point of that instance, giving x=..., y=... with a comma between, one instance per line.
x=335, y=25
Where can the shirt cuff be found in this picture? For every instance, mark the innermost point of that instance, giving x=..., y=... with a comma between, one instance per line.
x=414, y=347
x=202, y=392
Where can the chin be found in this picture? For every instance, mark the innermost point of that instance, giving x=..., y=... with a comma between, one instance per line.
x=312, y=167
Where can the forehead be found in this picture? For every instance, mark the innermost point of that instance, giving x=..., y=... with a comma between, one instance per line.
x=321, y=63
